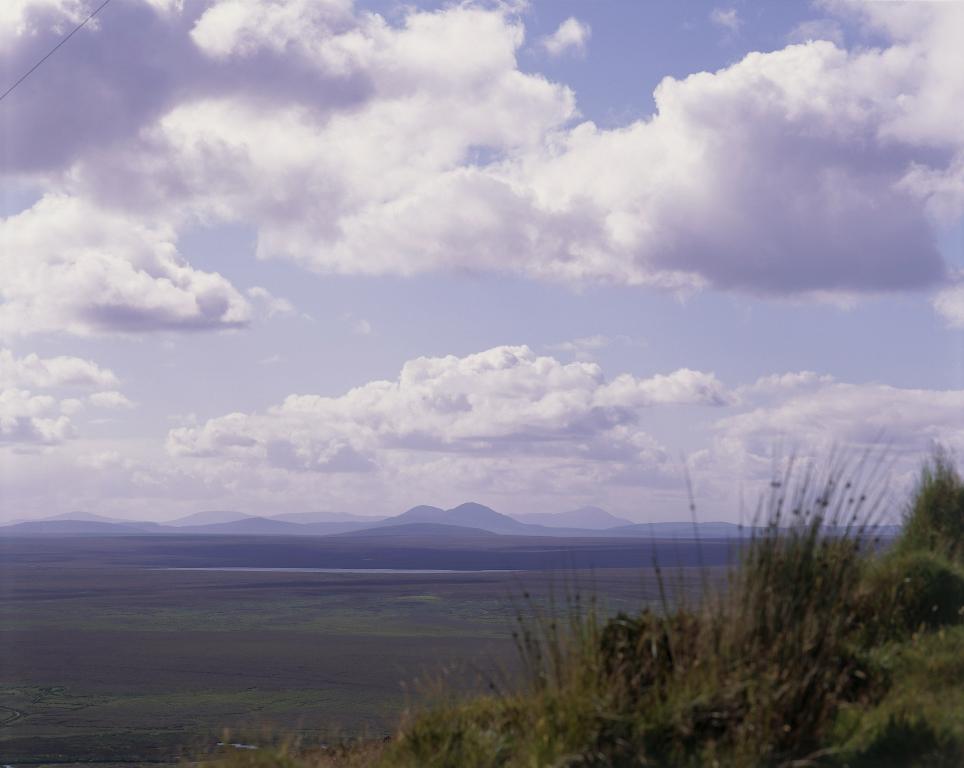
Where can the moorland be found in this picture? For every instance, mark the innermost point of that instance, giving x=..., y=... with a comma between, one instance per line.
x=125, y=649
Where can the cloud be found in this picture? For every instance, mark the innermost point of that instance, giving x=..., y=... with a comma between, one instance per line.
x=806, y=172
x=246, y=27
x=902, y=423
x=35, y=372
x=726, y=18
x=29, y=417
x=70, y=266
x=25, y=18
x=572, y=36
x=273, y=305
x=110, y=399
x=949, y=303
x=783, y=383
x=504, y=401
x=582, y=348
x=787, y=173
x=509, y=424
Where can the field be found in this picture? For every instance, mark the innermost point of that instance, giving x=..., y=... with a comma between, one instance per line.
x=108, y=656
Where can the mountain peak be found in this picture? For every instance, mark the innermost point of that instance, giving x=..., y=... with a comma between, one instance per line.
x=471, y=514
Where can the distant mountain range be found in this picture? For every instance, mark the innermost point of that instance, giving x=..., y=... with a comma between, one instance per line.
x=584, y=517
x=466, y=520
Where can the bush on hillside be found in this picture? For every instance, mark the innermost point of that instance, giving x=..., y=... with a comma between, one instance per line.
x=909, y=592
x=934, y=521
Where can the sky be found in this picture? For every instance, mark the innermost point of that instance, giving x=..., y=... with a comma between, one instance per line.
x=356, y=256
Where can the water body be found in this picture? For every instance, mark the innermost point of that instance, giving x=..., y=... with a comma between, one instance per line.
x=343, y=570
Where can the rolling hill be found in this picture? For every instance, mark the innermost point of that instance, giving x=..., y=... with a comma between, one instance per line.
x=592, y=518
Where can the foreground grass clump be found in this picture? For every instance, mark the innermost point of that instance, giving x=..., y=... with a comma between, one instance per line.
x=824, y=648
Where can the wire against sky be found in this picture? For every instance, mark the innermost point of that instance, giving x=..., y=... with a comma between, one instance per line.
x=53, y=50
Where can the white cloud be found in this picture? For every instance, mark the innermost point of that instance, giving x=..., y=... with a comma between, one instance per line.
x=509, y=424
x=811, y=171
x=501, y=402
x=901, y=424
x=726, y=18
x=110, y=399
x=746, y=179
x=572, y=36
x=783, y=383
x=949, y=304
x=36, y=372
x=69, y=266
x=273, y=305
x=27, y=418
x=45, y=417
x=22, y=18
x=245, y=27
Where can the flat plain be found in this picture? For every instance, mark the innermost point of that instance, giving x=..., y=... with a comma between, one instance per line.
x=109, y=653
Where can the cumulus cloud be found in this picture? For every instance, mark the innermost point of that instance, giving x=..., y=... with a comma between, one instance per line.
x=902, y=423
x=807, y=171
x=29, y=416
x=572, y=36
x=511, y=424
x=35, y=372
x=504, y=401
x=70, y=266
x=246, y=27
x=801, y=171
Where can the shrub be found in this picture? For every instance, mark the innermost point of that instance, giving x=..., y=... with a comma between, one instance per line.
x=934, y=520
x=908, y=592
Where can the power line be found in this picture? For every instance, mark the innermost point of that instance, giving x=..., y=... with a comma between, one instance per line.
x=53, y=50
